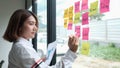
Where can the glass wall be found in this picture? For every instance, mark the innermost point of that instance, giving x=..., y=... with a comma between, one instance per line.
x=62, y=33
x=96, y=23
x=98, y=30
x=42, y=31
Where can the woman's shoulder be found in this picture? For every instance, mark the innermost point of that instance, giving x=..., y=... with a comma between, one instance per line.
x=18, y=46
x=21, y=42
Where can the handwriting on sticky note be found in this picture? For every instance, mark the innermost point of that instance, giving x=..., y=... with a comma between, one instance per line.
x=85, y=34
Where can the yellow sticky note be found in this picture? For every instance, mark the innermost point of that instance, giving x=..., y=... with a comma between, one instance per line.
x=66, y=13
x=65, y=23
x=85, y=48
x=71, y=14
x=71, y=18
x=71, y=11
x=93, y=8
x=77, y=18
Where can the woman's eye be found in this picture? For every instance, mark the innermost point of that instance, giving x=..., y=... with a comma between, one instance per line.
x=31, y=23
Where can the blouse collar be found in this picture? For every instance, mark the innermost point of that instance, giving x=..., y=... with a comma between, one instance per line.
x=25, y=41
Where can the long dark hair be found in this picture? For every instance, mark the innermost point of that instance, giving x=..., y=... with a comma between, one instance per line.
x=16, y=22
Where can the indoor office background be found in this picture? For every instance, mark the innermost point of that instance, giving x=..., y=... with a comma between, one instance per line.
x=104, y=31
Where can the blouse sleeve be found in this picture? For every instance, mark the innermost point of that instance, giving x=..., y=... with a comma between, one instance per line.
x=26, y=57
x=30, y=59
x=65, y=62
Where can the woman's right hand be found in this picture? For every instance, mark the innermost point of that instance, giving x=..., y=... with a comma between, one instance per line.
x=73, y=43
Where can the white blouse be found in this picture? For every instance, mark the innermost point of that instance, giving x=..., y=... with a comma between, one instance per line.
x=23, y=55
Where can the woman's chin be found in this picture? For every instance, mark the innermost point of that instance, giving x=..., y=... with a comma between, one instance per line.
x=33, y=36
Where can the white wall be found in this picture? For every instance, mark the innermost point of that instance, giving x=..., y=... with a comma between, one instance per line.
x=7, y=7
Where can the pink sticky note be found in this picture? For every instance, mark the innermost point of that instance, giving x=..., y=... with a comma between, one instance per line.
x=85, y=33
x=77, y=31
x=69, y=26
x=77, y=6
x=85, y=18
x=77, y=28
x=84, y=5
x=77, y=34
x=104, y=6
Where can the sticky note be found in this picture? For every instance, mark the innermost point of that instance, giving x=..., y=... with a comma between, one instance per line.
x=77, y=7
x=104, y=6
x=93, y=8
x=77, y=18
x=84, y=5
x=85, y=18
x=85, y=48
x=85, y=34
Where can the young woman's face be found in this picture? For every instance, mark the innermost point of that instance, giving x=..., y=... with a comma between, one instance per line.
x=29, y=28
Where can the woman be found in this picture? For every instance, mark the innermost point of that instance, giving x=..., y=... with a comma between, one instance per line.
x=22, y=26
